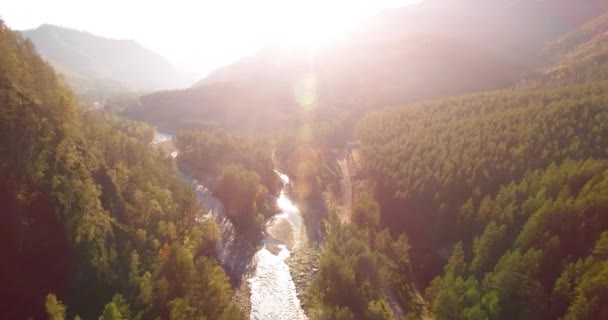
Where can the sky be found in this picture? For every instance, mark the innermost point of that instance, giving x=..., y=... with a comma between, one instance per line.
x=198, y=36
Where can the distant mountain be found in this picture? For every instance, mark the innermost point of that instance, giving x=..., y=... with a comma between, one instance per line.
x=362, y=75
x=436, y=49
x=514, y=29
x=95, y=65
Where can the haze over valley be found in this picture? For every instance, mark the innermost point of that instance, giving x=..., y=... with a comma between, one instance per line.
x=437, y=159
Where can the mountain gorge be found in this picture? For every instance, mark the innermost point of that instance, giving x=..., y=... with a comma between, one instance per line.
x=445, y=160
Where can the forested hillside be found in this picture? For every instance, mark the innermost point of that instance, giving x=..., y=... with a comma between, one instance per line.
x=447, y=160
x=437, y=163
x=500, y=195
x=542, y=254
x=504, y=181
x=96, y=221
x=581, y=55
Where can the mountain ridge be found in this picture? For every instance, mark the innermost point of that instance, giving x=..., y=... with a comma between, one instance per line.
x=96, y=66
x=431, y=50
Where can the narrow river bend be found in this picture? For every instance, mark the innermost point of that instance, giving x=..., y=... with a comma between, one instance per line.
x=273, y=291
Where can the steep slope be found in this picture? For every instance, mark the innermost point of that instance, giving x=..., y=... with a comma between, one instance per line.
x=581, y=55
x=507, y=182
x=93, y=215
x=514, y=29
x=504, y=191
x=94, y=64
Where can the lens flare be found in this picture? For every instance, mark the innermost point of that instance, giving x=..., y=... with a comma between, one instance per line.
x=305, y=91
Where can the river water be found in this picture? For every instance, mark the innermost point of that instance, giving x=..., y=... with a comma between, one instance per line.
x=161, y=136
x=273, y=291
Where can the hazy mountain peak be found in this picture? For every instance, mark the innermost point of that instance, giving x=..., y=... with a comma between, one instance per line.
x=97, y=65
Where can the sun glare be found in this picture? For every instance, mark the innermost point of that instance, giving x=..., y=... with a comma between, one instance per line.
x=211, y=33
x=309, y=24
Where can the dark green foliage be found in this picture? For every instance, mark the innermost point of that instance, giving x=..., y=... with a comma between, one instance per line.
x=515, y=284
x=207, y=153
x=510, y=291
x=435, y=163
x=553, y=220
x=242, y=194
x=451, y=297
x=510, y=176
x=487, y=248
x=349, y=276
x=587, y=289
x=365, y=275
x=365, y=211
x=88, y=198
x=240, y=171
x=359, y=267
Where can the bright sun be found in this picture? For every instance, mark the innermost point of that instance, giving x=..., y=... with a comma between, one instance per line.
x=308, y=25
x=311, y=23
x=204, y=34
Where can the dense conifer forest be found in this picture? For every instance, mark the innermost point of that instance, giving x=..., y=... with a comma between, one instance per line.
x=502, y=195
x=97, y=222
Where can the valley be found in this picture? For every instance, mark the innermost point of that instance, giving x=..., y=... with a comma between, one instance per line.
x=265, y=277
x=441, y=160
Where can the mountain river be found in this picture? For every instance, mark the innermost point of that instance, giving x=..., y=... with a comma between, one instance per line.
x=273, y=292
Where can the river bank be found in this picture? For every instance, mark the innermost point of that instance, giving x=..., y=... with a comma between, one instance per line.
x=241, y=296
x=270, y=281
x=304, y=264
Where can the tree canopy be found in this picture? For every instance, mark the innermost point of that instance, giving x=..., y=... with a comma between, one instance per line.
x=87, y=197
